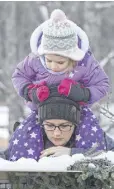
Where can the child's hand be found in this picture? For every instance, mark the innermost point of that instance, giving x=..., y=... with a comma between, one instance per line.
x=74, y=91
x=38, y=92
x=65, y=86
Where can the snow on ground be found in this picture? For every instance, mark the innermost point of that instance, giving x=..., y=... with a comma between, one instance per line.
x=49, y=164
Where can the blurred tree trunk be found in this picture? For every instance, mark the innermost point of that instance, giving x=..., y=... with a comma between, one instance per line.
x=10, y=47
x=93, y=27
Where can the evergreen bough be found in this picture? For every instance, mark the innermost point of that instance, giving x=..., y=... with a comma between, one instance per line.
x=91, y=174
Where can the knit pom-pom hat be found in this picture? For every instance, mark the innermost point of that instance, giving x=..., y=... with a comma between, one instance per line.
x=60, y=37
x=58, y=107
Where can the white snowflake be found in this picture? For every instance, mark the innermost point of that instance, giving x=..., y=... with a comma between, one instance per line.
x=83, y=143
x=29, y=128
x=26, y=144
x=33, y=135
x=15, y=141
x=21, y=126
x=78, y=137
x=37, y=122
x=93, y=116
x=85, y=109
x=94, y=129
x=94, y=144
x=30, y=151
x=13, y=158
x=36, y=116
x=83, y=126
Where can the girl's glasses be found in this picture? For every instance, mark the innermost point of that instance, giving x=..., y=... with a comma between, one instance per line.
x=61, y=127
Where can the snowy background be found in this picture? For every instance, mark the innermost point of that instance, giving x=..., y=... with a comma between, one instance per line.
x=16, y=27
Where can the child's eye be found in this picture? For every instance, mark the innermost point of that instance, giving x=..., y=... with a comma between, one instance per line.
x=60, y=62
x=49, y=61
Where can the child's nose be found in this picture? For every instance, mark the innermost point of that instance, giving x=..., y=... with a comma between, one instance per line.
x=54, y=66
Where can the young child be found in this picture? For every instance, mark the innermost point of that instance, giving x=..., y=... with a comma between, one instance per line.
x=62, y=58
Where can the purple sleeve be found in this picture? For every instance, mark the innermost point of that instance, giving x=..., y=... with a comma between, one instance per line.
x=109, y=142
x=96, y=80
x=78, y=151
x=23, y=74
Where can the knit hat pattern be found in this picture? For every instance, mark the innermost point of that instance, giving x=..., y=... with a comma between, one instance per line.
x=60, y=37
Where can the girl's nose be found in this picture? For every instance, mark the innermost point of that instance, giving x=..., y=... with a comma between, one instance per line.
x=57, y=131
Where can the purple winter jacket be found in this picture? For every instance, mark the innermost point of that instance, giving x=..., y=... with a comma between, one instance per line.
x=88, y=72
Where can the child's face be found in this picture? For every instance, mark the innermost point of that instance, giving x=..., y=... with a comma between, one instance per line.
x=56, y=63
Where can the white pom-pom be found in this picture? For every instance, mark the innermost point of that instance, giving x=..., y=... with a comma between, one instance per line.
x=58, y=15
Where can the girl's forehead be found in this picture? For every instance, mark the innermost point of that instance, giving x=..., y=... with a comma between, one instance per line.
x=56, y=57
x=56, y=121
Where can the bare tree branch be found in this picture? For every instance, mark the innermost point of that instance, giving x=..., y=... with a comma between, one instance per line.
x=2, y=86
x=44, y=12
x=103, y=5
x=107, y=111
x=104, y=61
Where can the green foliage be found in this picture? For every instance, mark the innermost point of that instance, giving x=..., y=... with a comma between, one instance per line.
x=87, y=174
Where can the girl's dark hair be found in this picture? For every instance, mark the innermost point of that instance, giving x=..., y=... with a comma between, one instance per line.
x=16, y=124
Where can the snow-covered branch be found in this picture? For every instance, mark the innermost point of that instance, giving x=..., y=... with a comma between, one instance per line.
x=105, y=60
x=107, y=111
x=61, y=172
x=2, y=86
x=103, y=5
x=108, y=116
x=44, y=12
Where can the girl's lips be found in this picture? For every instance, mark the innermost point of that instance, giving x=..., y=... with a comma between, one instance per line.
x=57, y=139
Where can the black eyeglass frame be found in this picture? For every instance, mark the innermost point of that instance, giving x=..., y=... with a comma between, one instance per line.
x=59, y=127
